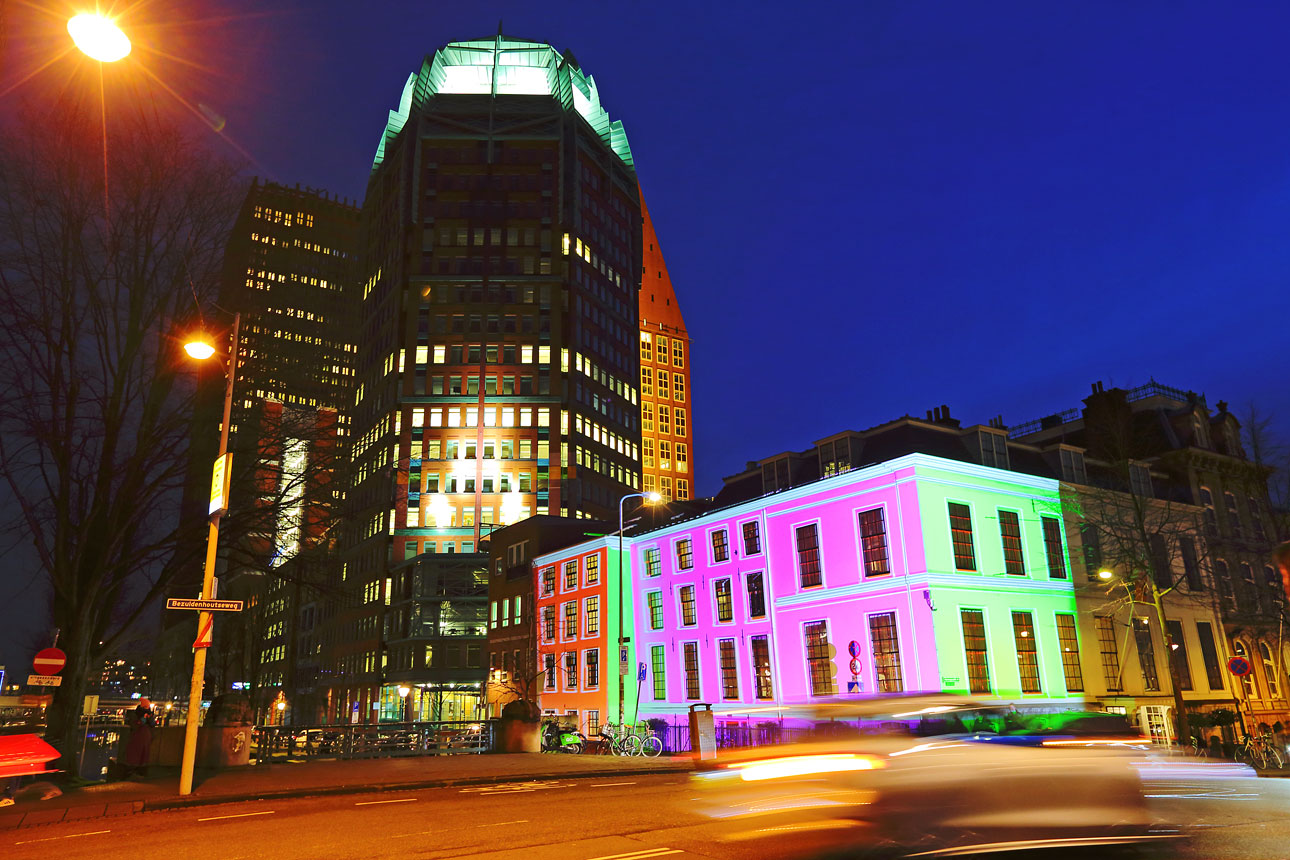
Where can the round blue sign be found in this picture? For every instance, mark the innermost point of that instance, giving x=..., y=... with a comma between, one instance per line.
x=854, y=648
x=1239, y=666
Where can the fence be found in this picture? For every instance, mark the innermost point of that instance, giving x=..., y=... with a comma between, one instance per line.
x=380, y=740
x=676, y=738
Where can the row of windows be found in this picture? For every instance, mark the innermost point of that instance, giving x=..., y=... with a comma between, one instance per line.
x=468, y=449
x=662, y=484
x=511, y=612
x=818, y=664
x=569, y=619
x=723, y=602
x=1014, y=564
x=1025, y=648
x=654, y=347
x=671, y=386
x=720, y=548
x=667, y=416
x=564, y=673
x=664, y=460
x=569, y=579
x=1235, y=524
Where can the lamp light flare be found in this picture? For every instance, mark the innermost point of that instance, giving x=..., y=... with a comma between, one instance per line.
x=1104, y=575
x=199, y=349
x=98, y=38
x=653, y=498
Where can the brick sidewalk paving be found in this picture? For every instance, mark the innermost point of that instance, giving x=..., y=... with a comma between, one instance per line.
x=315, y=778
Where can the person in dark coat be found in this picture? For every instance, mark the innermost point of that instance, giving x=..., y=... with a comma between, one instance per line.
x=139, y=748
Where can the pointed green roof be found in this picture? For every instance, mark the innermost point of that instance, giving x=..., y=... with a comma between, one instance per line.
x=503, y=66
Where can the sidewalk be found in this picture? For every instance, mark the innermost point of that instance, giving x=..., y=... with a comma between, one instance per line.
x=318, y=778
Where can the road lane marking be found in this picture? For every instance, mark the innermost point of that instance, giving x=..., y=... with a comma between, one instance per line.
x=406, y=835
x=397, y=800
x=501, y=823
x=608, y=784
x=639, y=855
x=239, y=815
x=68, y=836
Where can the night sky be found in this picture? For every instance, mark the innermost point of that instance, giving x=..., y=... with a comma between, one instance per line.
x=867, y=208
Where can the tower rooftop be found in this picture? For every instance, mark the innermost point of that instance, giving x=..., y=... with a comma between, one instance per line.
x=505, y=66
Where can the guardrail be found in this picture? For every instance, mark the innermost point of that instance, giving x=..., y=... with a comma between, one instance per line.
x=378, y=740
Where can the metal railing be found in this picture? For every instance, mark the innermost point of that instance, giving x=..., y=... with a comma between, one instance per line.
x=676, y=738
x=378, y=740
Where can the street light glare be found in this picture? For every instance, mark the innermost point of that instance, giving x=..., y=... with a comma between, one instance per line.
x=1104, y=574
x=98, y=37
x=199, y=350
x=653, y=497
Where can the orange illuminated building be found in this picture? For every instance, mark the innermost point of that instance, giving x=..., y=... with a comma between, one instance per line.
x=667, y=434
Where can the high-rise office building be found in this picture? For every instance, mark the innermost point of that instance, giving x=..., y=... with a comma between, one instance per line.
x=497, y=365
x=288, y=272
x=667, y=434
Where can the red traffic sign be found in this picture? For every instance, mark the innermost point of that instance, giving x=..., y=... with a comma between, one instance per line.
x=204, y=633
x=854, y=648
x=855, y=667
x=1239, y=666
x=50, y=661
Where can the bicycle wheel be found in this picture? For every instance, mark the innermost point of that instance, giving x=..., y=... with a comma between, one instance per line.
x=1275, y=759
x=1258, y=758
x=651, y=747
x=632, y=745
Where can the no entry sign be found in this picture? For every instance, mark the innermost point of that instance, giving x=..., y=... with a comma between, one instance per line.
x=50, y=661
x=1239, y=666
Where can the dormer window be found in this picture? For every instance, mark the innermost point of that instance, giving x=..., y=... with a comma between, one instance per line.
x=994, y=449
x=1200, y=430
x=1073, y=466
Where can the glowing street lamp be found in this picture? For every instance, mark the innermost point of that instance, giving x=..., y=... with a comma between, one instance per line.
x=404, y=689
x=1105, y=575
x=199, y=349
x=99, y=38
x=650, y=498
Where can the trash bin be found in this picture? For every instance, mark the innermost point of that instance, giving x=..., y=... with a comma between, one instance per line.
x=703, y=732
x=224, y=739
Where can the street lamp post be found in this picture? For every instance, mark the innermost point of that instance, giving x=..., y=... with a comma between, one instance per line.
x=202, y=351
x=622, y=640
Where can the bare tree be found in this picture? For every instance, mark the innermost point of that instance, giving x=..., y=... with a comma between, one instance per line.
x=1138, y=529
x=95, y=285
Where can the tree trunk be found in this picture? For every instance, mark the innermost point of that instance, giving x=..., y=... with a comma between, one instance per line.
x=63, y=719
x=1182, y=724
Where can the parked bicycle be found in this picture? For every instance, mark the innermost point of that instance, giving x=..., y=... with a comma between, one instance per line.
x=1260, y=751
x=621, y=740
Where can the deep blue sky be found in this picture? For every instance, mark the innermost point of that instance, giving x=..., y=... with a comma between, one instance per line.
x=871, y=208
x=868, y=208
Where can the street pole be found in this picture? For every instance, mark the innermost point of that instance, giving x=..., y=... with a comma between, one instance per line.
x=622, y=684
x=208, y=587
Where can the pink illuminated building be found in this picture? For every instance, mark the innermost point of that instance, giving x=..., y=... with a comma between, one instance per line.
x=916, y=574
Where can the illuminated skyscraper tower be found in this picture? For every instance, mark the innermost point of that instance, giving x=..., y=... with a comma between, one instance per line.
x=497, y=363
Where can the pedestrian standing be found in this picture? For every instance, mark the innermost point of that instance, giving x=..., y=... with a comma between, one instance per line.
x=139, y=748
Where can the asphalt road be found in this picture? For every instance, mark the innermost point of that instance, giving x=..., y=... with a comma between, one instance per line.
x=632, y=818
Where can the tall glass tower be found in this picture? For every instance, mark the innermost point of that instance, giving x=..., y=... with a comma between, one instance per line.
x=497, y=367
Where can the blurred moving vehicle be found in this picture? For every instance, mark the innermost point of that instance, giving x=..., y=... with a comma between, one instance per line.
x=942, y=776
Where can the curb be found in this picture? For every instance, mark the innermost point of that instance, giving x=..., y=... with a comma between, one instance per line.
x=38, y=816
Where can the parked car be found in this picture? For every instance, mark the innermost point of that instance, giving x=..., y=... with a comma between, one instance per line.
x=935, y=775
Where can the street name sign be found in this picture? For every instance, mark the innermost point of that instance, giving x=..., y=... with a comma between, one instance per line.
x=45, y=680
x=204, y=605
